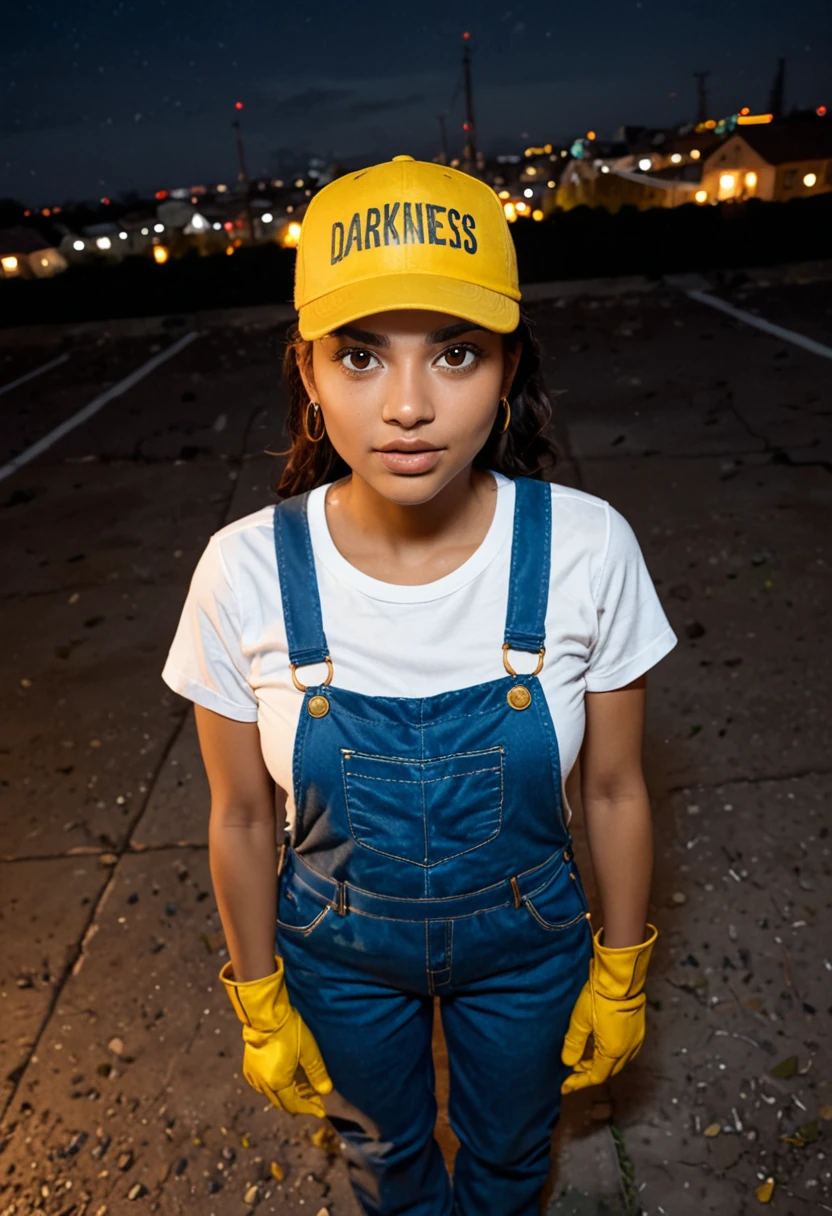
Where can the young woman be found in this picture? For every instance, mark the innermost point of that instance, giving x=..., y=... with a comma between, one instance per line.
x=411, y=649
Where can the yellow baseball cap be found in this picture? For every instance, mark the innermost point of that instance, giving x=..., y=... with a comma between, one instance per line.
x=405, y=234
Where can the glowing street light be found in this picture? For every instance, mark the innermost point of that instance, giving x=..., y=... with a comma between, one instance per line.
x=810, y=179
x=160, y=254
x=78, y=246
x=645, y=163
x=695, y=154
x=158, y=227
x=267, y=218
x=676, y=158
x=527, y=193
x=701, y=196
x=104, y=242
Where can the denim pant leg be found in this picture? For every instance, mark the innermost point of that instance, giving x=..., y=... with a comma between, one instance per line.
x=504, y=1036
x=376, y=1043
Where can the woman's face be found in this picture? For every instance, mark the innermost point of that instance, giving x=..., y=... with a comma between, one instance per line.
x=409, y=397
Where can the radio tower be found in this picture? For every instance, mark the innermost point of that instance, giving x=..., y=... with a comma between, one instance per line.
x=469, y=154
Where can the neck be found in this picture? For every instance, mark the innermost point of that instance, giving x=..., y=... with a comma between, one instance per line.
x=365, y=524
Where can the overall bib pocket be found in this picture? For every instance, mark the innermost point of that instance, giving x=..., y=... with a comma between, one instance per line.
x=424, y=811
x=299, y=910
x=559, y=903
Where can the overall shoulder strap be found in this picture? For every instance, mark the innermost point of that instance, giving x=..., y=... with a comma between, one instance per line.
x=298, y=582
x=531, y=552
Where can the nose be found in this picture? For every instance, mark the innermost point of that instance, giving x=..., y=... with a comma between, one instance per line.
x=407, y=401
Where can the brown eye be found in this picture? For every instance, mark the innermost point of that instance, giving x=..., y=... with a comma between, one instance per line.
x=456, y=356
x=359, y=360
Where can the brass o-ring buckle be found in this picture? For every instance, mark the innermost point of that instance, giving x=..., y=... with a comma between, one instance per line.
x=510, y=669
x=303, y=687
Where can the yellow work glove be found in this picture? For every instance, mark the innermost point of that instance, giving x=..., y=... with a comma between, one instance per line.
x=277, y=1040
x=611, y=1008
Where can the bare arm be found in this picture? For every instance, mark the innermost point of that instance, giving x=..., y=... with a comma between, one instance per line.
x=241, y=840
x=617, y=809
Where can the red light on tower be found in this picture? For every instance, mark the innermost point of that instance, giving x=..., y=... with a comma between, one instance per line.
x=745, y=110
x=160, y=194
x=465, y=36
x=466, y=126
x=820, y=111
x=238, y=105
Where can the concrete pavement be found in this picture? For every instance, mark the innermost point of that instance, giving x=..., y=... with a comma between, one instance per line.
x=120, y=1057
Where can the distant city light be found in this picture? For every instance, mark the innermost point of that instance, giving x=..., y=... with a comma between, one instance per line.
x=299, y=181
x=695, y=154
x=753, y=120
x=605, y=168
x=229, y=249
x=160, y=254
x=751, y=179
x=292, y=234
x=551, y=185
x=228, y=226
x=221, y=189
x=160, y=194
x=267, y=217
x=590, y=135
x=701, y=196
x=198, y=222
x=104, y=242
x=531, y=171
x=217, y=226
x=645, y=163
x=510, y=212
x=537, y=214
x=78, y=246
x=46, y=211
x=122, y=236
x=676, y=158
x=145, y=231
x=521, y=207
x=9, y=264
x=158, y=227
x=810, y=179
x=238, y=105
x=528, y=193
x=820, y=111
x=504, y=194
x=745, y=110
x=105, y=201
x=278, y=182
x=291, y=207
x=727, y=181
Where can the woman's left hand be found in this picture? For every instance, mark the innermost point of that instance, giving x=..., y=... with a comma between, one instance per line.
x=611, y=1007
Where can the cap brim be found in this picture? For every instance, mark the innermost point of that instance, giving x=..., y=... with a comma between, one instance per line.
x=385, y=293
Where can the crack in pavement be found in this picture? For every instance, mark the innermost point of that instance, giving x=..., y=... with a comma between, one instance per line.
x=76, y=961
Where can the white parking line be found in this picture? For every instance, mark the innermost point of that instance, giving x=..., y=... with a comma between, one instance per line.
x=7, y=388
x=94, y=406
x=777, y=331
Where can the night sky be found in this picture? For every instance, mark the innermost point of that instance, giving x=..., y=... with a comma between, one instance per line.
x=98, y=98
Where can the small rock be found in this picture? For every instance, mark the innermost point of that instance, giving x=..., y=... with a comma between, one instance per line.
x=125, y=1160
x=679, y=897
x=116, y=1046
x=278, y=1172
x=136, y=1191
x=252, y=1195
x=181, y=1166
x=694, y=629
x=107, y=859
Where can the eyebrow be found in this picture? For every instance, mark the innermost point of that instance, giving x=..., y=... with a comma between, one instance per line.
x=368, y=338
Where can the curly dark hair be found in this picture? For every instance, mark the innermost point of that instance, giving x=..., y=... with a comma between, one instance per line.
x=526, y=449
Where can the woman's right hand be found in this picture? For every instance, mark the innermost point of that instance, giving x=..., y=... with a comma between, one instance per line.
x=277, y=1040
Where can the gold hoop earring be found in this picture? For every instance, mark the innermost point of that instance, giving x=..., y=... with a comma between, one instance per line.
x=505, y=401
x=315, y=407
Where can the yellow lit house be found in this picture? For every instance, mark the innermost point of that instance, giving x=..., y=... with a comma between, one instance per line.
x=777, y=162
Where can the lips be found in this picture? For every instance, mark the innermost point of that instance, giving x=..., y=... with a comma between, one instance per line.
x=409, y=458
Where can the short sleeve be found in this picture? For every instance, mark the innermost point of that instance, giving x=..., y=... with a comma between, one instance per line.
x=633, y=631
x=206, y=662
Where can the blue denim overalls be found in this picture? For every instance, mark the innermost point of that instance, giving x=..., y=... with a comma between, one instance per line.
x=429, y=857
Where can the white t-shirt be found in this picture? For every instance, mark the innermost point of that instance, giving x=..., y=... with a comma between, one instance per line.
x=604, y=626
